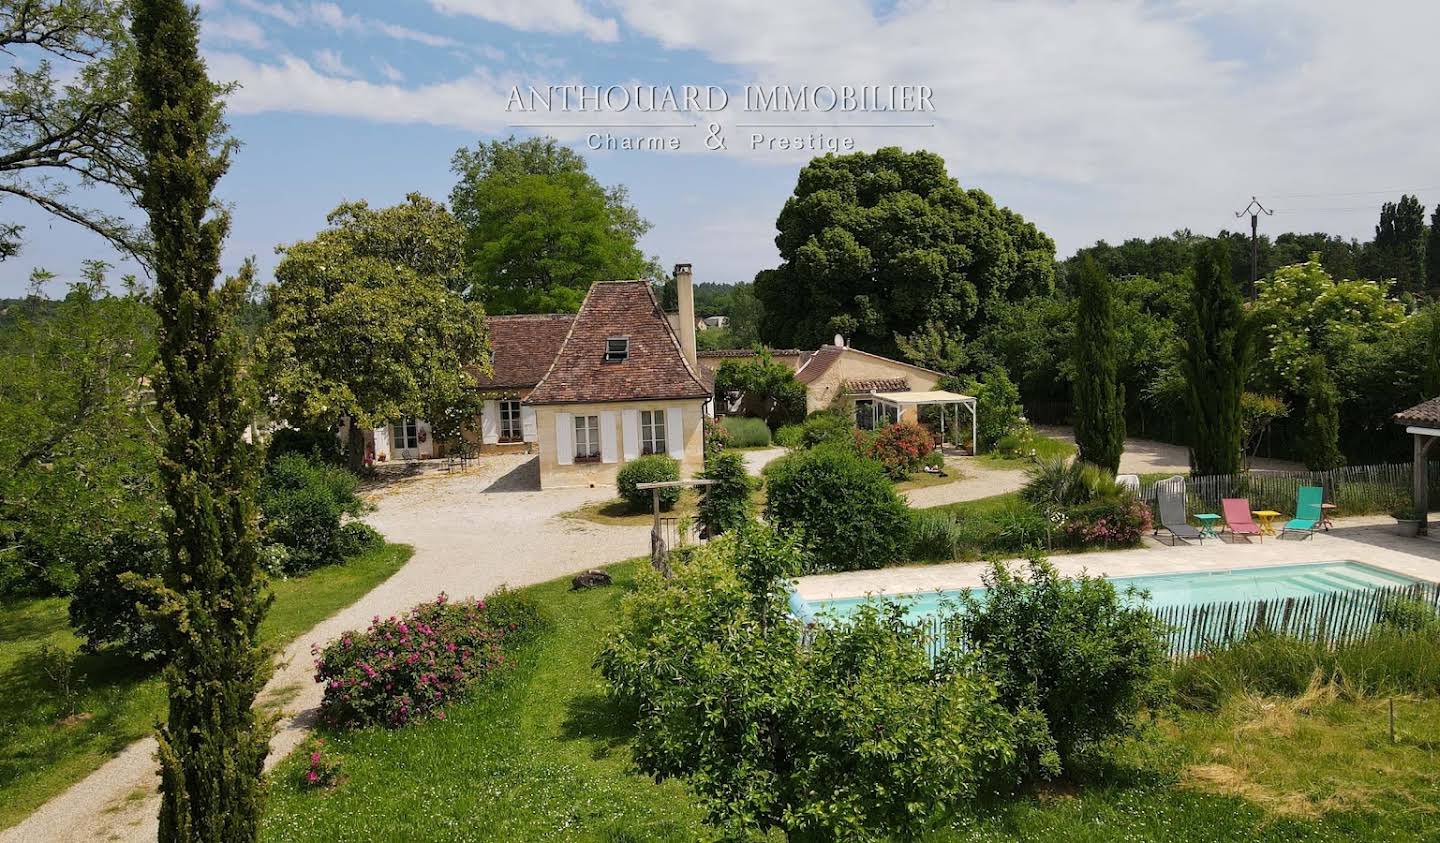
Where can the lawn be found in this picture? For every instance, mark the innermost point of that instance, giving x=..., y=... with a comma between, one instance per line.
x=45, y=745
x=542, y=756
x=619, y=513
x=1046, y=448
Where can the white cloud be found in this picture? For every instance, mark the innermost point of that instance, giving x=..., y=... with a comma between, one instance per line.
x=330, y=61
x=556, y=16
x=278, y=11
x=331, y=15
x=229, y=29
x=390, y=72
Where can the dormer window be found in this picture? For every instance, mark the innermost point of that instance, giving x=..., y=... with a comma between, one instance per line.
x=617, y=349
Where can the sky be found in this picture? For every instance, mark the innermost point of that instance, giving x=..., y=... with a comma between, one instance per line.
x=1094, y=120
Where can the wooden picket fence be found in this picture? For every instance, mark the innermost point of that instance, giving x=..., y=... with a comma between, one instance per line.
x=1326, y=620
x=1354, y=489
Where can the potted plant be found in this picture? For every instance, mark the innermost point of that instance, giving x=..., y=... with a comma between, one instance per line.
x=1407, y=520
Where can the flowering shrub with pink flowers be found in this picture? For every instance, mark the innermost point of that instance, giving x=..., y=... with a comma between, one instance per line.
x=1113, y=520
x=406, y=668
x=322, y=768
x=900, y=447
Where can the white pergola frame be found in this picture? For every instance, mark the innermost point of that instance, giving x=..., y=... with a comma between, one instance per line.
x=901, y=400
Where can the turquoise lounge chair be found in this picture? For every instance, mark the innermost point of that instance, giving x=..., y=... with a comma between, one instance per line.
x=1307, y=511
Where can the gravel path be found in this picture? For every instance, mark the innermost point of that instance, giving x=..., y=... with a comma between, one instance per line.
x=471, y=533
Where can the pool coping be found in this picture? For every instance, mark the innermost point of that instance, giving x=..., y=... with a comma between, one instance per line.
x=1415, y=558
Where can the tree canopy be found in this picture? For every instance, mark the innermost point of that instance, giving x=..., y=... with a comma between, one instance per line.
x=364, y=325
x=69, y=127
x=878, y=245
x=539, y=229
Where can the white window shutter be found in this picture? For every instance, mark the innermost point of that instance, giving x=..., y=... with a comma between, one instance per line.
x=675, y=432
x=609, y=451
x=630, y=433
x=564, y=439
x=527, y=422
x=490, y=423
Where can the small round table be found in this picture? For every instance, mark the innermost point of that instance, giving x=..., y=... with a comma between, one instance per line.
x=1325, y=510
x=1267, y=520
x=1207, y=524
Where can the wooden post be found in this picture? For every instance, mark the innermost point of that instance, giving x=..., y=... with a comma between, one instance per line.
x=1422, y=486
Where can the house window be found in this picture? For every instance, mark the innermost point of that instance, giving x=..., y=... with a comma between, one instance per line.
x=617, y=349
x=587, y=438
x=865, y=414
x=510, y=430
x=652, y=431
x=405, y=434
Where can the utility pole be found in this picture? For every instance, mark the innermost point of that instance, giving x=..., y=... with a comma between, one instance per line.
x=1254, y=209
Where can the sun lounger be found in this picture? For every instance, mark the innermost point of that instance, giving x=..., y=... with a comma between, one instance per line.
x=1171, y=498
x=1238, y=520
x=1307, y=511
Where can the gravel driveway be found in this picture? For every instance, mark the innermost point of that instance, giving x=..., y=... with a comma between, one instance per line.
x=471, y=533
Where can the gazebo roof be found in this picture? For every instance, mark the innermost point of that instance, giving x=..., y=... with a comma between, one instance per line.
x=1424, y=414
x=935, y=397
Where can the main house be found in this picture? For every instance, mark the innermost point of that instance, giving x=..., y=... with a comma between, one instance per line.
x=588, y=391
x=620, y=379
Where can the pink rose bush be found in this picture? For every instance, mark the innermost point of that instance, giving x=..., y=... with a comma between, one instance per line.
x=407, y=668
x=322, y=769
x=1110, y=521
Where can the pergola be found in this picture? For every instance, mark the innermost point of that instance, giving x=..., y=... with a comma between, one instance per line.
x=1422, y=422
x=901, y=400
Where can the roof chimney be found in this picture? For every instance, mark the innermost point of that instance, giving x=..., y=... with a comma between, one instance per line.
x=685, y=299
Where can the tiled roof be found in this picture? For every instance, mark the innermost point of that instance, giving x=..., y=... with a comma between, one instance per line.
x=877, y=385
x=524, y=348
x=655, y=367
x=1424, y=414
x=749, y=352
x=819, y=363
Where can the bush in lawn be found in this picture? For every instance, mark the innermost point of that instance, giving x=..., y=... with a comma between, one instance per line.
x=1000, y=412
x=901, y=448
x=827, y=427
x=746, y=432
x=859, y=736
x=935, y=536
x=1075, y=650
x=1118, y=520
x=790, y=436
x=651, y=468
x=357, y=537
x=725, y=505
x=301, y=503
x=717, y=438
x=105, y=606
x=1056, y=484
x=404, y=669
x=843, y=504
x=515, y=614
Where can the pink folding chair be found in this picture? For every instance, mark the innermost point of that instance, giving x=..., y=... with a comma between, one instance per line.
x=1238, y=520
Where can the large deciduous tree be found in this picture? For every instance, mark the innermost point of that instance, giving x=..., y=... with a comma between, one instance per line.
x=364, y=325
x=212, y=597
x=1099, y=395
x=878, y=245
x=67, y=126
x=539, y=228
x=1215, y=359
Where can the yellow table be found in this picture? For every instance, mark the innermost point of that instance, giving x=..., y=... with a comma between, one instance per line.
x=1267, y=518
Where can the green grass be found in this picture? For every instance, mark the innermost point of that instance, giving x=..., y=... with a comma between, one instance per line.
x=43, y=749
x=539, y=756
x=1046, y=448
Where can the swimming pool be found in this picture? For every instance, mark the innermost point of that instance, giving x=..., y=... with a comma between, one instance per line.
x=1183, y=589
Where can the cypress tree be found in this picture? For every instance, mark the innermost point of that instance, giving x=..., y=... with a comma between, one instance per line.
x=1216, y=357
x=1099, y=395
x=212, y=594
x=1432, y=253
x=1321, y=427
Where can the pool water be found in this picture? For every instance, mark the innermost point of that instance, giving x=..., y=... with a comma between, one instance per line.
x=1184, y=589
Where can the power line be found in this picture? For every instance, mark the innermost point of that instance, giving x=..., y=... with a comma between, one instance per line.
x=1352, y=193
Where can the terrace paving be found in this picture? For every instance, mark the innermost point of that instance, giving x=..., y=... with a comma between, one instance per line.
x=1369, y=539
